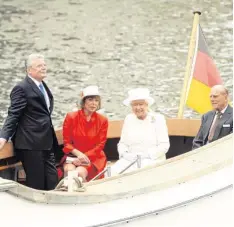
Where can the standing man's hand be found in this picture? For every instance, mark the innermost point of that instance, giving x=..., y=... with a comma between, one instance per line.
x=2, y=143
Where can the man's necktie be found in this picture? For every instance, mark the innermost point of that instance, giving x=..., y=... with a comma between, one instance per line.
x=214, y=125
x=42, y=90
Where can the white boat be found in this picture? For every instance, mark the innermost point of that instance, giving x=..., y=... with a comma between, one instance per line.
x=179, y=181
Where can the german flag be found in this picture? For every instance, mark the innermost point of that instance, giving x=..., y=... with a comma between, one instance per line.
x=204, y=76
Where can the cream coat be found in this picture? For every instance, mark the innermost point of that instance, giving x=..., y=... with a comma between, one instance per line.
x=147, y=138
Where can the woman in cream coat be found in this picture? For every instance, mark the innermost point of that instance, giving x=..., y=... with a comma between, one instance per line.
x=144, y=133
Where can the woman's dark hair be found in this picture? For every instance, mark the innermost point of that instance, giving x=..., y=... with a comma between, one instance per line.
x=82, y=102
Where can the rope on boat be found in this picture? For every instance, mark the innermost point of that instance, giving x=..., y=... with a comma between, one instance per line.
x=62, y=187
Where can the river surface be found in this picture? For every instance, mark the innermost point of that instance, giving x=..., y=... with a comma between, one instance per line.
x=116, y=45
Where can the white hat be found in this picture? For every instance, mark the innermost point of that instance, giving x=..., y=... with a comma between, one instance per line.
x=90, y=91
x=138, y=94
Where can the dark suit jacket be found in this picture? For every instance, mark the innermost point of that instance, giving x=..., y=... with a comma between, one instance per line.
x=224, y=127
x=29, y=120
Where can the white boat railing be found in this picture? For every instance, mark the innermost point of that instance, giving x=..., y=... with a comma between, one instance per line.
x=106, y=170
x=138, y=161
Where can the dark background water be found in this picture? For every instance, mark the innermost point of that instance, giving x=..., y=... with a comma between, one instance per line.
x=116, y=45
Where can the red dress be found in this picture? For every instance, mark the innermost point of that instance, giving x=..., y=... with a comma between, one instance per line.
x=88, y=137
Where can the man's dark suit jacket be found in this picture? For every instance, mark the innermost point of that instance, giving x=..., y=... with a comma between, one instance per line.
x=224, y=127
x=29, y=120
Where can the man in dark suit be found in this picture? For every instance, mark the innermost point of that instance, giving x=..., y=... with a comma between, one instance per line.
x=216, y=123
x=29, y=125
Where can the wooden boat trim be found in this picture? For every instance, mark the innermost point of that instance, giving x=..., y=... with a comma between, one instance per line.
x=7, y=151
x=200, y=162
x=176, y=127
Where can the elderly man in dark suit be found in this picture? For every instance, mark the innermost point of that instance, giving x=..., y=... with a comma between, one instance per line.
x=29, y=125
x=216, y=123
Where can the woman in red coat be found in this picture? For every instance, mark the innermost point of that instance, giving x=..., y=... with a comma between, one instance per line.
x=84, y=137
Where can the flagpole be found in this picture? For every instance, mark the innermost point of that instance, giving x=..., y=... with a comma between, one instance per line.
x=189, y=63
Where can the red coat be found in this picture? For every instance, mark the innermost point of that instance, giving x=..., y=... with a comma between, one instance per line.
x=88, y=137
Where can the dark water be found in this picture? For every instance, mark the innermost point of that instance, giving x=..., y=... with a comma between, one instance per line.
x=116, y=45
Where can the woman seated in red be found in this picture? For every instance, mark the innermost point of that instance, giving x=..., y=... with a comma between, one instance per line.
x=84, y=137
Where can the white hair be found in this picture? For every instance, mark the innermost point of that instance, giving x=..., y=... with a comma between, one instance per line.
x=31, y=58
x=221, y=88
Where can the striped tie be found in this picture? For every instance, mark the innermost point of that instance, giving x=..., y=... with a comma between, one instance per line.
x=214, y=125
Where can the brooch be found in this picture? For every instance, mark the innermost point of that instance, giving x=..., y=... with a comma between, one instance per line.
x=152, y=119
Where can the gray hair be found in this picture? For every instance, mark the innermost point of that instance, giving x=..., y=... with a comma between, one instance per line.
x=221, y=88
x=31, y=58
